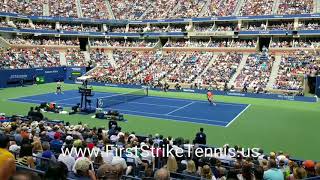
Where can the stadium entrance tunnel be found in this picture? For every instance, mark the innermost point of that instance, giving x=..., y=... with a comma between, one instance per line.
x=264, y=42
x=83, y=43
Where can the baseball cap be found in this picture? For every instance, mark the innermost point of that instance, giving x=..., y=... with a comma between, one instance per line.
x=308, y=164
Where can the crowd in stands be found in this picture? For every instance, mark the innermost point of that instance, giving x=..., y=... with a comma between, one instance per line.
x=280, y=26
x=157, y=9
x=203, y=28
x=123, y=43
x=128, y=65
x=35, y=142
x=23, y=25
x=156, y=29
x=160, y=68
x=63, y=8
x=294, y=67
x=176, y=29
x=295, y=7
x=99, y=42
x=189, y=8
x=117, y=29
x=27, y=41
x=193, y=65
x=3, y=23
x=44, y=26
x=256, y=72
x=256, y=7
x=309, y=26
x=256, y=27
x=161, y=9
x=94, y=9
x=296, y=44
x=75, y=57
x=136, y=29
x=221, y=70
x=90, y=28
x=197, y=43
x=222, y=8
x=33, y=8
x=70, y=27
x=131, y=9
x=28, y=58
x=212, y=43
x=176, y=43
x=232, y=43
x=99, y=58
x=224, y=28
x=281, y=44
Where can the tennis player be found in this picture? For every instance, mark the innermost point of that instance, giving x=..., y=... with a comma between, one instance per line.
x=59, y=86
x=210, y=98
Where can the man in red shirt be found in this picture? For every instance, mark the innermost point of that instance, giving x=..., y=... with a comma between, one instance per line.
x=210, y=98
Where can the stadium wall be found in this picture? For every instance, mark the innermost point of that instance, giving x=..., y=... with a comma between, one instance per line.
x=16, y=77
x=318, y=86
x=201, y=91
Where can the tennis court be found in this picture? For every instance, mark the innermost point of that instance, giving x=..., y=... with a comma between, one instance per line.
x=193, y=111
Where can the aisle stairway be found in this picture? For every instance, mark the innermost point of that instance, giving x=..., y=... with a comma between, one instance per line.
x=238, y=8
x=239, y=69
x=63, y=60
x=274, y=72
x=275, y=6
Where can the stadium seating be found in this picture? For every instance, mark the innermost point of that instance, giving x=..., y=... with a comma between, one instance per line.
x=293, y=67
x=47, y=137
x=191, y=68
x=256, y=72
x=221, y=70
x=28, y=58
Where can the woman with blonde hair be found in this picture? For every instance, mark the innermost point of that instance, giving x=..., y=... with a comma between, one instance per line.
x=37, y=148
x=191, y=168
x=172, y=164
x=206, y=173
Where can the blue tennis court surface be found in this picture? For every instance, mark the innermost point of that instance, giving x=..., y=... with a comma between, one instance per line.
x=223, y=114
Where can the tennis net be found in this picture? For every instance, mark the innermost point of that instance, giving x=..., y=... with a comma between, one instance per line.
x=108, y=101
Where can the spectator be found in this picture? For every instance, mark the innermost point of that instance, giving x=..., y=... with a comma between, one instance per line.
x=299, y=173
x=191, y=169
x=317, y=169
x=25, y=155
x=107, y=171
x=7, y=160
x=172, y=165
x=206, y=173
x=23, y=175
x=309, y=167
x=83, y=169
x=201, y=137
x=273, y=172
x=57, y=171
x=162, y=174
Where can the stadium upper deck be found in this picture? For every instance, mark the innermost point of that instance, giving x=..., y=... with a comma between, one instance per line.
x=158, y=9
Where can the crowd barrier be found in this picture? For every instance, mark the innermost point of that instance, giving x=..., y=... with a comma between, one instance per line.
x=202, y=91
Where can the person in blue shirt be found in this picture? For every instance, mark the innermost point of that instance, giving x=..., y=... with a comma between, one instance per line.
x=273, y=173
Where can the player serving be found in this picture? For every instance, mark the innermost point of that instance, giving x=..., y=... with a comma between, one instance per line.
x=59, y=91
x=210, y=98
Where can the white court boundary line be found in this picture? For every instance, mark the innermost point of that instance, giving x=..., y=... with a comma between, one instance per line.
x=208, y=120
x=168, y=114
x=238, y=115
x=128, y=113
x=182, y=107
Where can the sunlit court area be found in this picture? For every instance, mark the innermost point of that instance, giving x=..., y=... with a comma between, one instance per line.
x=159, y=90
